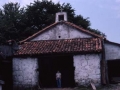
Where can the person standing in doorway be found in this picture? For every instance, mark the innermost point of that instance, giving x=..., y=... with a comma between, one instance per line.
x=58, y=79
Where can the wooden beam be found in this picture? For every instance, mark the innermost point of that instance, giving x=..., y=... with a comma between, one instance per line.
x=93, y=86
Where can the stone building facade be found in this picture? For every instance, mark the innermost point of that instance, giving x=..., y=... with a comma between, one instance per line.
x=25, y=71
x=86, y=70
x=80, y=53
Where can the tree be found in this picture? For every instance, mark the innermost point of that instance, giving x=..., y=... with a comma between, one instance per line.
x=11, y=21
x=42, y=13
x=19, y=23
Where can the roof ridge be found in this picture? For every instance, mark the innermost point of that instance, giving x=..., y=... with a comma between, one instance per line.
x=38, y=32
x=66, y=22
x=112, y=42
x=85, y=30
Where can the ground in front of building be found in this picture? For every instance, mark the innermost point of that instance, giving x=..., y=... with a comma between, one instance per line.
x=109, y=87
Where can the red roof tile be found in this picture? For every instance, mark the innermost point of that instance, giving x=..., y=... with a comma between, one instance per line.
x=60, y=46
x=67, y=23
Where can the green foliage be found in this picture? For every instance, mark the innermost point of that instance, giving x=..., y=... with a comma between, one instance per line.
x=10, y=21
x=19, y=23
x=97, y=32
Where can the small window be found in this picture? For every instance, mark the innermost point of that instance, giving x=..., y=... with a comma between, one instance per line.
x=61, y=17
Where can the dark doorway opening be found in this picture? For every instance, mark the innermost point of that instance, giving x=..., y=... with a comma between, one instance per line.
x=113, y=71
x=48, y=66
x=6, y=73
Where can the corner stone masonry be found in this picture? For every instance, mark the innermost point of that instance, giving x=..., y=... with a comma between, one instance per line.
x=24, y=72
x=87, y=68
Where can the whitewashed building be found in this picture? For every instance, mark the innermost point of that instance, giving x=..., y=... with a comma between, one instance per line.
x=80, y=55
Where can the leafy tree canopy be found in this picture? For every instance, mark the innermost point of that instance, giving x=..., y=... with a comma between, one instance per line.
x=11, y=21
x=18, y=23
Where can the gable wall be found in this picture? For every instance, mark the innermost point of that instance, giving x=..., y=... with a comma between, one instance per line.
x=112, y=51
x=62, y=30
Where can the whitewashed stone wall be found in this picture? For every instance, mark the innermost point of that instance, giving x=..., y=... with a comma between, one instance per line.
x=112, y=51
x=61, y=31
x=87, y=68
x=24, y=72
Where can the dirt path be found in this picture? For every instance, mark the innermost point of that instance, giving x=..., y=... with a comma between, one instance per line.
x=110, y=87
x=58, y=89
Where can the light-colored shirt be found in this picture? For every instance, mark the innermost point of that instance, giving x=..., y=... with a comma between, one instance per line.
x=58, y=75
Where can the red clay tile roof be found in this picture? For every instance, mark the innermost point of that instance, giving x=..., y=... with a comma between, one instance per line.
x=60, y=46
x=65, y=22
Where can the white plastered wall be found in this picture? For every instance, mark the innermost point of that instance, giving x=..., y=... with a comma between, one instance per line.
x=61, y=31
x=112, y=51
x=24, y=72
x=87, y=68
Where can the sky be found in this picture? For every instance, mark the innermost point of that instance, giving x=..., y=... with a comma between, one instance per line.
x=104, y=15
